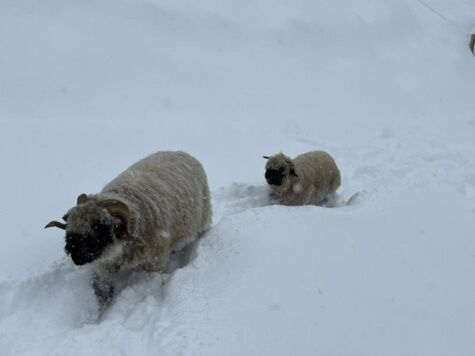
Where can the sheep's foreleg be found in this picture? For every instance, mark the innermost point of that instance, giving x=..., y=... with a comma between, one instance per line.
x=102, y=283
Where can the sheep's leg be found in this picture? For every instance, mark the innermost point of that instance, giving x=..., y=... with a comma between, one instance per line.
x=103, y=289
x=102, y=283
x=314, y=196
x=331, y=200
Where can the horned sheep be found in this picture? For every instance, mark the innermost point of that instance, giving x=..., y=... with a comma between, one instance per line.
x=310, y=178
x=154, y=208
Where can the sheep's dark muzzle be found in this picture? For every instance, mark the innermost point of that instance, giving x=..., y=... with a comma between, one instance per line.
x=274, y=176
x=84, y=249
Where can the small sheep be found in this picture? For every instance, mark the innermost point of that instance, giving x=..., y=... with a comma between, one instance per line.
x=154, y=208
x=310, y=178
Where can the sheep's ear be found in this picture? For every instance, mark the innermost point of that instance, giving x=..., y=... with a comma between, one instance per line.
x=292, y=172
x=265, y=157
x=57, y=224
x=117, y=209
x=81, y=199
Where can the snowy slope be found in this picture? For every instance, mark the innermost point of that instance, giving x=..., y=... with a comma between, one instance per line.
x=386, y=86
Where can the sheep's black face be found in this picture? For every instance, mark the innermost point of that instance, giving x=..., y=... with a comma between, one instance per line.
x=275, y=176
x=87, y=248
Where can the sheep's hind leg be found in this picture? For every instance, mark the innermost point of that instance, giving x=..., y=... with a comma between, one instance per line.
x=331, y=200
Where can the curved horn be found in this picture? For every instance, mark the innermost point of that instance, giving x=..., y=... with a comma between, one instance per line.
x=118, y=209
x=56, y=224
x=82, y=199
x=266, y=157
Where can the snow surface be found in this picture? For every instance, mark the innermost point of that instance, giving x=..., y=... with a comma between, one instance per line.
x=87, y=87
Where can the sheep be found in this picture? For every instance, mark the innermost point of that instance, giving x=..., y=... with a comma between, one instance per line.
x=310, y=178
x=151, y=210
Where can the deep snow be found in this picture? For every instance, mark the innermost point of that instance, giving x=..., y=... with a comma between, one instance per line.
x=386, y=86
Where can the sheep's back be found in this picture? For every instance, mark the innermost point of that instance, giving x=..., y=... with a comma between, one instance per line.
x=318, y=169
x=169, y=193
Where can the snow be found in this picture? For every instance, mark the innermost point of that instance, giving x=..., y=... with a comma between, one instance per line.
x=385, y=86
